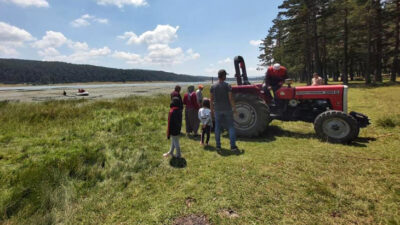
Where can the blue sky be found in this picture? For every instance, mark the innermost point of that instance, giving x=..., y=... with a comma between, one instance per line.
x=195, y=37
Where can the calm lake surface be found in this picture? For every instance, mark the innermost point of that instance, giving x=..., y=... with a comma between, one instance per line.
x=96, y=91
x=91, y=86
x=41, y=93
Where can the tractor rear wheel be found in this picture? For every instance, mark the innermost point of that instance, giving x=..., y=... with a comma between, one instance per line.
x=336, y=126
x=252, y=116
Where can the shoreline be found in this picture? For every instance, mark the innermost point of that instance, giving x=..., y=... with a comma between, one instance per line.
x=95, y=83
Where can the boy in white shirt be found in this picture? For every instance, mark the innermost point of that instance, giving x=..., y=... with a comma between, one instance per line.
x=205, y=120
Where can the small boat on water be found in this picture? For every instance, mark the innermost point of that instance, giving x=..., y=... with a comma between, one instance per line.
x=82, y=92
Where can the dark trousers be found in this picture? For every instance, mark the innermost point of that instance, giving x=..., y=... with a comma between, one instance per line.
x=274, y=89
x=192, y=120
x=205, y=131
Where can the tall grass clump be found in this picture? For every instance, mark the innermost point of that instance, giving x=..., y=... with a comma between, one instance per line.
x=53, y=153
x=389, y=121
x=36, y=187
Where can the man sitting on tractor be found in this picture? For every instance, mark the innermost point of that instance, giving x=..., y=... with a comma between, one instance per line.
x=274, y=79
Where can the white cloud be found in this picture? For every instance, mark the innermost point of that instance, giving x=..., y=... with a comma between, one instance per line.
x=224, y=61
x=51, y=39
x=78, y=46
x=86, y=20
x=162, y=34
x=164, y=55
x=7, y=51
x=130, y=58
x=27, y=3
x=158, y=50
x=102, y=21
x=76, y=57
x=49, y=52
x=81, y=53
x=191, y=54
x=158, y=54
x=255, y=42
x=122, y=3
x=80, y=23
x=12, y=37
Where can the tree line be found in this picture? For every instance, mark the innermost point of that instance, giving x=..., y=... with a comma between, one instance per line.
x=339, y=39
x=16, y=71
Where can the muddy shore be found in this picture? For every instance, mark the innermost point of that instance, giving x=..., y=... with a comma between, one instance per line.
x=96, y=91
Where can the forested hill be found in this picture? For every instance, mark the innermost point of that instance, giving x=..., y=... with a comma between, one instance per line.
x=14, y=71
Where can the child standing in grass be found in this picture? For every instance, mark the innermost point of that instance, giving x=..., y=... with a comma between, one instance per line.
x=205, y=120
x=174, y=127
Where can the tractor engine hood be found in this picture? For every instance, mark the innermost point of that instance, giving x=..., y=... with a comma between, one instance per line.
x=336, y=94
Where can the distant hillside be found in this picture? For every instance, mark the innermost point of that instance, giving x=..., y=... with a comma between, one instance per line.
x=14, y=71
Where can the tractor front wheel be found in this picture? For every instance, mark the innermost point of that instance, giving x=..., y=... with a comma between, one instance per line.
x=252, y=116
x=336, y=126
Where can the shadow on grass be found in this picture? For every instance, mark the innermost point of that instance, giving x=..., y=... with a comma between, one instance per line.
x=194, y=137
x=365, y=139
x=224, y=152
x=178, y=162
x=361, y=142
x=274, y=131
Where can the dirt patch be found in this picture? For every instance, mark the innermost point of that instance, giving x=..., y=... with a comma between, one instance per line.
x=192, y=220
x=229, y=213
x=190, y=201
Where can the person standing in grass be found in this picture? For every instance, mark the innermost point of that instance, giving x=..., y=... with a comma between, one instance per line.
x=205, y=121
x=191, y=109
x=223, y=107
x=176, y=93
x=174, y=127
x=199, y=95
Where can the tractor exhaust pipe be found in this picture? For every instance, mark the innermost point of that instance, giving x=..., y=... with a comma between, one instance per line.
x=239, y=64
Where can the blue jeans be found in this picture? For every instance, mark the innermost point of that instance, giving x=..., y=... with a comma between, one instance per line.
x=225, y=117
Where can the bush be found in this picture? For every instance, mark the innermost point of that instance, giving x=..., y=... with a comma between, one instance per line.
x=389, y=122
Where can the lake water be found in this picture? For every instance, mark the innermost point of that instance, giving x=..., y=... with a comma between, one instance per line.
x=96, y=91
x=92, y=86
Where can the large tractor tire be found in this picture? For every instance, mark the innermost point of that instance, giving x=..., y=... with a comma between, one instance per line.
x=252, y=116
x=336, y=127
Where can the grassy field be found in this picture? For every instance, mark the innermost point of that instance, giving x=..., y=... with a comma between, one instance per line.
x=100, y=162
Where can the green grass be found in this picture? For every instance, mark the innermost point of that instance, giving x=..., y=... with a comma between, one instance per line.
x=100, y=162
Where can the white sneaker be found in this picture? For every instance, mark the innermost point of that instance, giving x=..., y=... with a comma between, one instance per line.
x=166, y=154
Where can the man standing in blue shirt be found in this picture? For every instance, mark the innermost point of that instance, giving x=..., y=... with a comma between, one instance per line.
x=223, y=108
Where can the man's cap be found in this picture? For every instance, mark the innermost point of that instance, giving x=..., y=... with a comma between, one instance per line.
x=201, y=86
x=277, y=66
x=222, y=72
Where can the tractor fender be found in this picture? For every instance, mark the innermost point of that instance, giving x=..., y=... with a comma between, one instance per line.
x=362, y=120
x=251, y=89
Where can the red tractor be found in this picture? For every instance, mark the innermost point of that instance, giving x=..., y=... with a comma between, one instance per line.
x=325, y=106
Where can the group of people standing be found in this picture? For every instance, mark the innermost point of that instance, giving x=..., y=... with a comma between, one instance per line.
x=200, y=111
x=220, y=107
